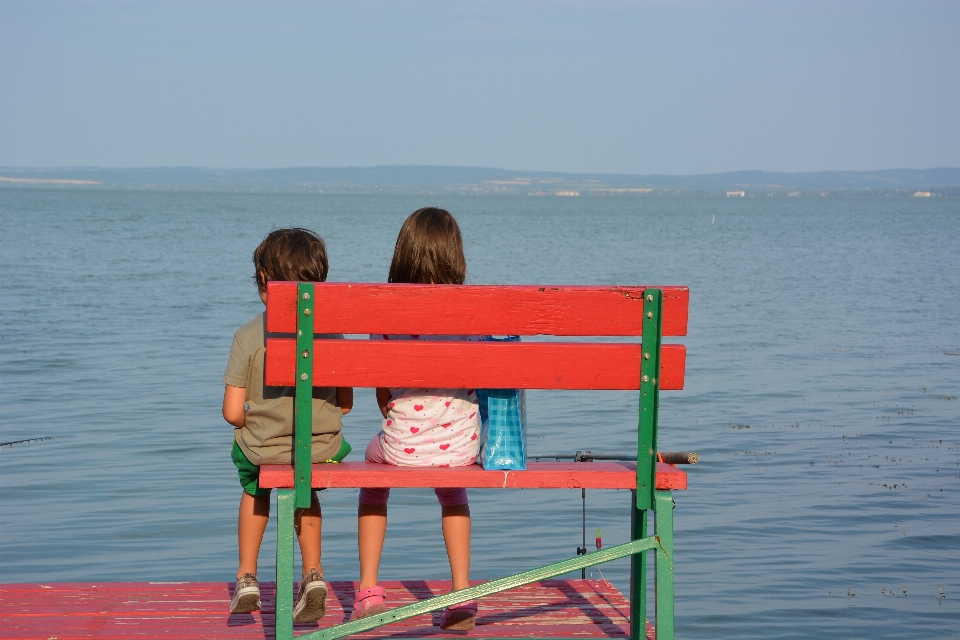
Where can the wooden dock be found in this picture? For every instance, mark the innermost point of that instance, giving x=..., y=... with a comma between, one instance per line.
x=147, y=610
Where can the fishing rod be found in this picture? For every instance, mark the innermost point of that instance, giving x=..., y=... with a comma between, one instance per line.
x=28, y=441
x=669, y=457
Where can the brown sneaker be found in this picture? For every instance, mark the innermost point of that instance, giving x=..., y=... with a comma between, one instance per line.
x=246, y=595
x=460, y=617
x=311, y=598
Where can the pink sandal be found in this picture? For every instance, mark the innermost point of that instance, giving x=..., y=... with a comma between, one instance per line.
x=460, y=617
x=369, y=602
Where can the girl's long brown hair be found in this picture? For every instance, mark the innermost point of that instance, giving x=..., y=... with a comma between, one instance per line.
x=429, y=249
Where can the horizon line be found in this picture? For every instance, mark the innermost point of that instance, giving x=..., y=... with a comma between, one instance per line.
x=438, y=166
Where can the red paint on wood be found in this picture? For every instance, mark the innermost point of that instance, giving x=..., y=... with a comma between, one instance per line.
x=673, y=367
x=487, y=365
x=538, y=475
x=71, y=611
x=353, y=308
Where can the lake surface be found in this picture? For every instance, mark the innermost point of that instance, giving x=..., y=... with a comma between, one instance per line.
x=821, y=394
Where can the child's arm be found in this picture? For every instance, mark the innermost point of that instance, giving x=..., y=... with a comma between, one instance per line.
x=383, y=398
x=233, y=400
x=345, y=399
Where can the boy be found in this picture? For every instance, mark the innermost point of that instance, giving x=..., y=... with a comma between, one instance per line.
x=263, y=421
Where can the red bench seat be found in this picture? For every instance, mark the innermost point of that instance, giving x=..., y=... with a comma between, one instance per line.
x=538, y=475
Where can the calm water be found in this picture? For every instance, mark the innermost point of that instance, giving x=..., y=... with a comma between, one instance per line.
x=822, y=385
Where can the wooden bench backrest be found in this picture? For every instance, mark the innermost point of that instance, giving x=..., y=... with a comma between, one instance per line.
x=473, y=310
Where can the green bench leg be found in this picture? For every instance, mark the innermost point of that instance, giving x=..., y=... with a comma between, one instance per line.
x=638, y=574
x=283, y=622
x=663, y=512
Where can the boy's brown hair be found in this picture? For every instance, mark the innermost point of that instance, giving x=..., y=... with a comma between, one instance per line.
x=429, y=249
x=292, y=255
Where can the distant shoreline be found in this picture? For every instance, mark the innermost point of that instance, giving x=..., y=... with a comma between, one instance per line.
x=47, y=182
x=427, y=180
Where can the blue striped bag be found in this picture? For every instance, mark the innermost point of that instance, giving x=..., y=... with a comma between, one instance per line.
x=503, y=435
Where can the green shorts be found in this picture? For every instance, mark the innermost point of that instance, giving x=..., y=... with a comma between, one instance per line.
x=250, y=473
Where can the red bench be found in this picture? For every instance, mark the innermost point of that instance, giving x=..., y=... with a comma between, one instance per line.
x=301, y=310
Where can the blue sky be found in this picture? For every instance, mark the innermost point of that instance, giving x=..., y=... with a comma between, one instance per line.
x=619, y=87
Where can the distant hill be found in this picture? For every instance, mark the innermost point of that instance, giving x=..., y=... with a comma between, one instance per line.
x=428, y=179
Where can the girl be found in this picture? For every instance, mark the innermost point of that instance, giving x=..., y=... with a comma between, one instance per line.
x=423, y=427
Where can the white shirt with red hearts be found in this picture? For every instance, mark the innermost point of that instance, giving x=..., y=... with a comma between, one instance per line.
x=431, y=427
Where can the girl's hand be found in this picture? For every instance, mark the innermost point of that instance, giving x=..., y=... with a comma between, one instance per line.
x=383, y=399
x=345, y=399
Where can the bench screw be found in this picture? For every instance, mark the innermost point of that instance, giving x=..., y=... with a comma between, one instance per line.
x=646, y=356
x=646, y=378
x=649, y=314
x=306, y=296
x=649, y=298
x=303, y=376
x=305, y=353
x=306, y=312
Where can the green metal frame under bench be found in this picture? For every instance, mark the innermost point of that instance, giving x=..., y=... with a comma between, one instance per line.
x=296, y=312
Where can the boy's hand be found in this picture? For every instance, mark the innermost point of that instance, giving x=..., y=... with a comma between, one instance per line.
x=383, y=399
x=345, y=399
x=233, y=400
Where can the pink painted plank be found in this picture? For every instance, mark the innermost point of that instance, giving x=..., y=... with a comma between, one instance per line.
x=75, y=611
x=531, y=365
x=476, y=309
x=538, y=475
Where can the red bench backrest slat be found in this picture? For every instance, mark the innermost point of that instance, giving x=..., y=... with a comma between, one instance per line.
x=475, y=309
x=485, y=365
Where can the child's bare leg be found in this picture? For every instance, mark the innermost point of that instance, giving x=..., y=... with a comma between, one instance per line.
x=371, y=530
x=307, y=523
x=251, y=523
x=456, y=534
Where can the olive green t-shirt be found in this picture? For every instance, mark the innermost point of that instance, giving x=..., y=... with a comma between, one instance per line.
x=267, y=436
